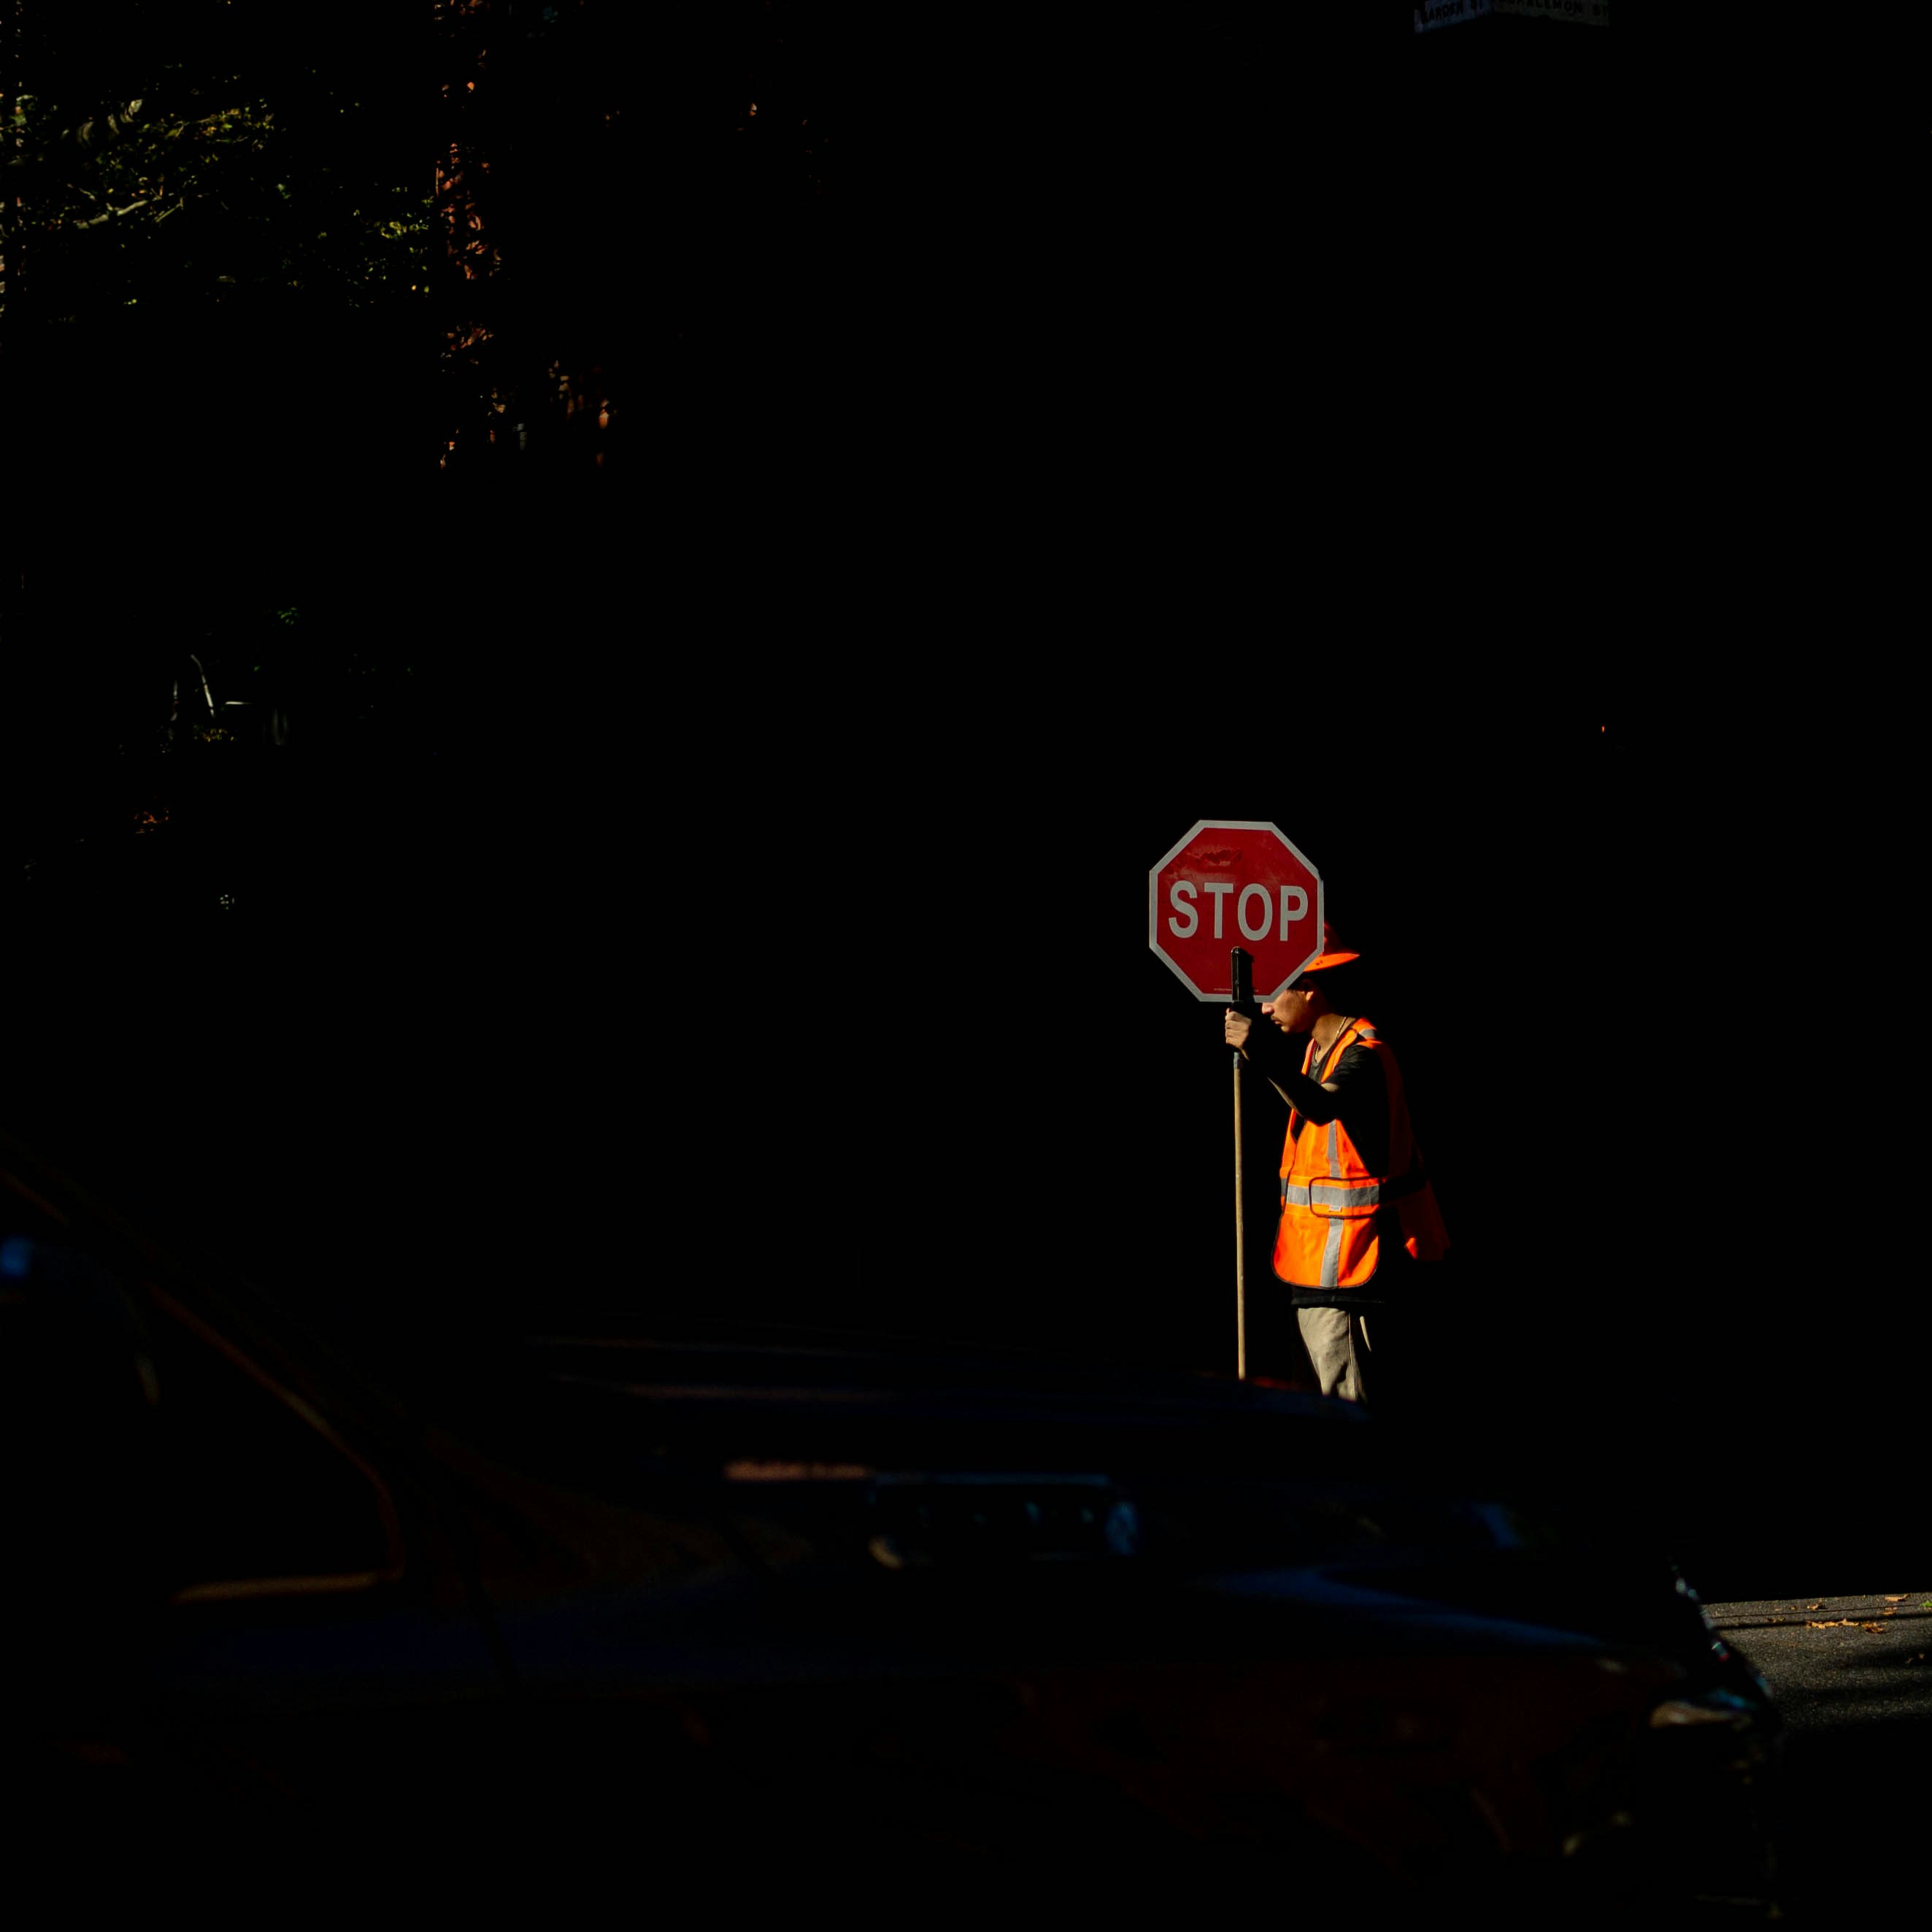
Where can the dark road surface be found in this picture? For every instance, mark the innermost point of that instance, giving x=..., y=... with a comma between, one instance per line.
x=1852, y=1675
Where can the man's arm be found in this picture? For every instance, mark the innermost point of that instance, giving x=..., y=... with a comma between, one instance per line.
x=1268, y=1049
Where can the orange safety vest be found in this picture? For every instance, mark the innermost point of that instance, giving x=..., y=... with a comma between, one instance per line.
x=1334, y=1209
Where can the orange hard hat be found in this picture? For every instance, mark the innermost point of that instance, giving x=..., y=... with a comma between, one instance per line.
x=1331, y=955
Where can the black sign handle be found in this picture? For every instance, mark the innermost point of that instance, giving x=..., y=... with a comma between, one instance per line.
x=1240, y=976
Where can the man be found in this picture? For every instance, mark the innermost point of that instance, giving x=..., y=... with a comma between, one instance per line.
x=1358, y=1213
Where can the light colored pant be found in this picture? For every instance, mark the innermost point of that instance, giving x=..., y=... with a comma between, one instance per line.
x=1339, y=1349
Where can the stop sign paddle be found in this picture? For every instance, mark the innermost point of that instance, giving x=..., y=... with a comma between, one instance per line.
x=1234, y=882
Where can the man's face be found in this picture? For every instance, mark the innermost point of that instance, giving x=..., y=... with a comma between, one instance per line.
x=1290, y=1011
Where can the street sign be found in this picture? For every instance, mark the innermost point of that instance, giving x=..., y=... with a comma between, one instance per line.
x=1234, y=882
x=1431, y=14
x=1591, y=12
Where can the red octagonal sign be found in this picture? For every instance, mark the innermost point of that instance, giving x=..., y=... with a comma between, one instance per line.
x=1234, y=882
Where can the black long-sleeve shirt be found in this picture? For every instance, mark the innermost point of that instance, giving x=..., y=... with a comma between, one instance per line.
x=1360, y=1102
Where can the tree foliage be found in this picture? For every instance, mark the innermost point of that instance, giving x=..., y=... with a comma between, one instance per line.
x=184, y=203
x=637, y=207
x=203, y=151
x=215, y=234
x=241, y=246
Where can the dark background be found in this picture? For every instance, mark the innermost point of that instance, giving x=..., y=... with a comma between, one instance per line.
x=745, y=921
x=818, y=1010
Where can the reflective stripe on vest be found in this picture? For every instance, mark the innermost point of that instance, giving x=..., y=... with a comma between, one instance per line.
x=1340, y=1197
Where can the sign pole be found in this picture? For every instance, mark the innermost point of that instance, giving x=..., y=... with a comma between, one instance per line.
x=1240, y=1243
x=1243, y=998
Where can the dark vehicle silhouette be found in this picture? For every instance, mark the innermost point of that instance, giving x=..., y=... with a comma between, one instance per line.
x=610, y=1605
